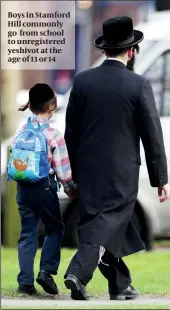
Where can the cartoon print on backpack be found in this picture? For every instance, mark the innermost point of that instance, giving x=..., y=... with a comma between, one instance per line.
x=20, y=164
x=19, y=168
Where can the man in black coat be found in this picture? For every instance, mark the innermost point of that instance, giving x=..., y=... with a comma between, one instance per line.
x=109, y=110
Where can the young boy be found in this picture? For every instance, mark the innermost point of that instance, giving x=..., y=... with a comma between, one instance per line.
x=39, y=200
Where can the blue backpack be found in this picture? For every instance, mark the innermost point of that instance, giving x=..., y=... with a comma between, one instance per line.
x=28, y=160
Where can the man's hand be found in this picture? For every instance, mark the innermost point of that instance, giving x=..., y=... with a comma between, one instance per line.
x=164, y=192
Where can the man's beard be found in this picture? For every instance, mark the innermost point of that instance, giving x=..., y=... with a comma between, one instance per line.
x=131, y=63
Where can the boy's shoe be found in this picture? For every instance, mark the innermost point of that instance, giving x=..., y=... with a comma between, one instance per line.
x=27, y=289
x=46, y=281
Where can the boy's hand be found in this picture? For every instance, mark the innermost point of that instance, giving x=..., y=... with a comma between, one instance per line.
x=71, y=193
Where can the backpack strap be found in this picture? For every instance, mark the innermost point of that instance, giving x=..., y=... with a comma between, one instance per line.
x=40, y=127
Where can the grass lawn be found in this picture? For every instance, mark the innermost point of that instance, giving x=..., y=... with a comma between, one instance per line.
x=150, y=273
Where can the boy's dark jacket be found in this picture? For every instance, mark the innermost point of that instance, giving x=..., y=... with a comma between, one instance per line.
x=109, y=109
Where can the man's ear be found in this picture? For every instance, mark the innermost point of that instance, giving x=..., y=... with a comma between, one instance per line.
x=130, y=53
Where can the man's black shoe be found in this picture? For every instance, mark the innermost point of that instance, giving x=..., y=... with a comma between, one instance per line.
x=46, y=281
x=27, y=289
x=129, y=293
x=78, y=290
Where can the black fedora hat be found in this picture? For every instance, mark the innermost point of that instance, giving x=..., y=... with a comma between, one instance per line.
x=118, y=33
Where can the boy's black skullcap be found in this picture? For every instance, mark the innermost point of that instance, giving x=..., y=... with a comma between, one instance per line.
x=40, y=93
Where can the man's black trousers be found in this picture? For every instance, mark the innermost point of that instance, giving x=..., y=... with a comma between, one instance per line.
x=113, y=269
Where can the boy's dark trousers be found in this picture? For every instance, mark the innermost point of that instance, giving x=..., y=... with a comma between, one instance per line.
x=39, y=201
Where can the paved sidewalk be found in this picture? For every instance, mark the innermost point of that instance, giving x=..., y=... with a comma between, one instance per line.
x=93, y=302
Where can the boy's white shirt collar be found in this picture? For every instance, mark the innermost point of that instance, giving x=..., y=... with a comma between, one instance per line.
x=112, y=58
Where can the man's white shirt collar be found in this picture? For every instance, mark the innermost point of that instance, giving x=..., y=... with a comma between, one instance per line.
x=111, y=58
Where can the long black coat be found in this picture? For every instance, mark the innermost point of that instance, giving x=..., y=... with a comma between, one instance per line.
x=109, y=109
